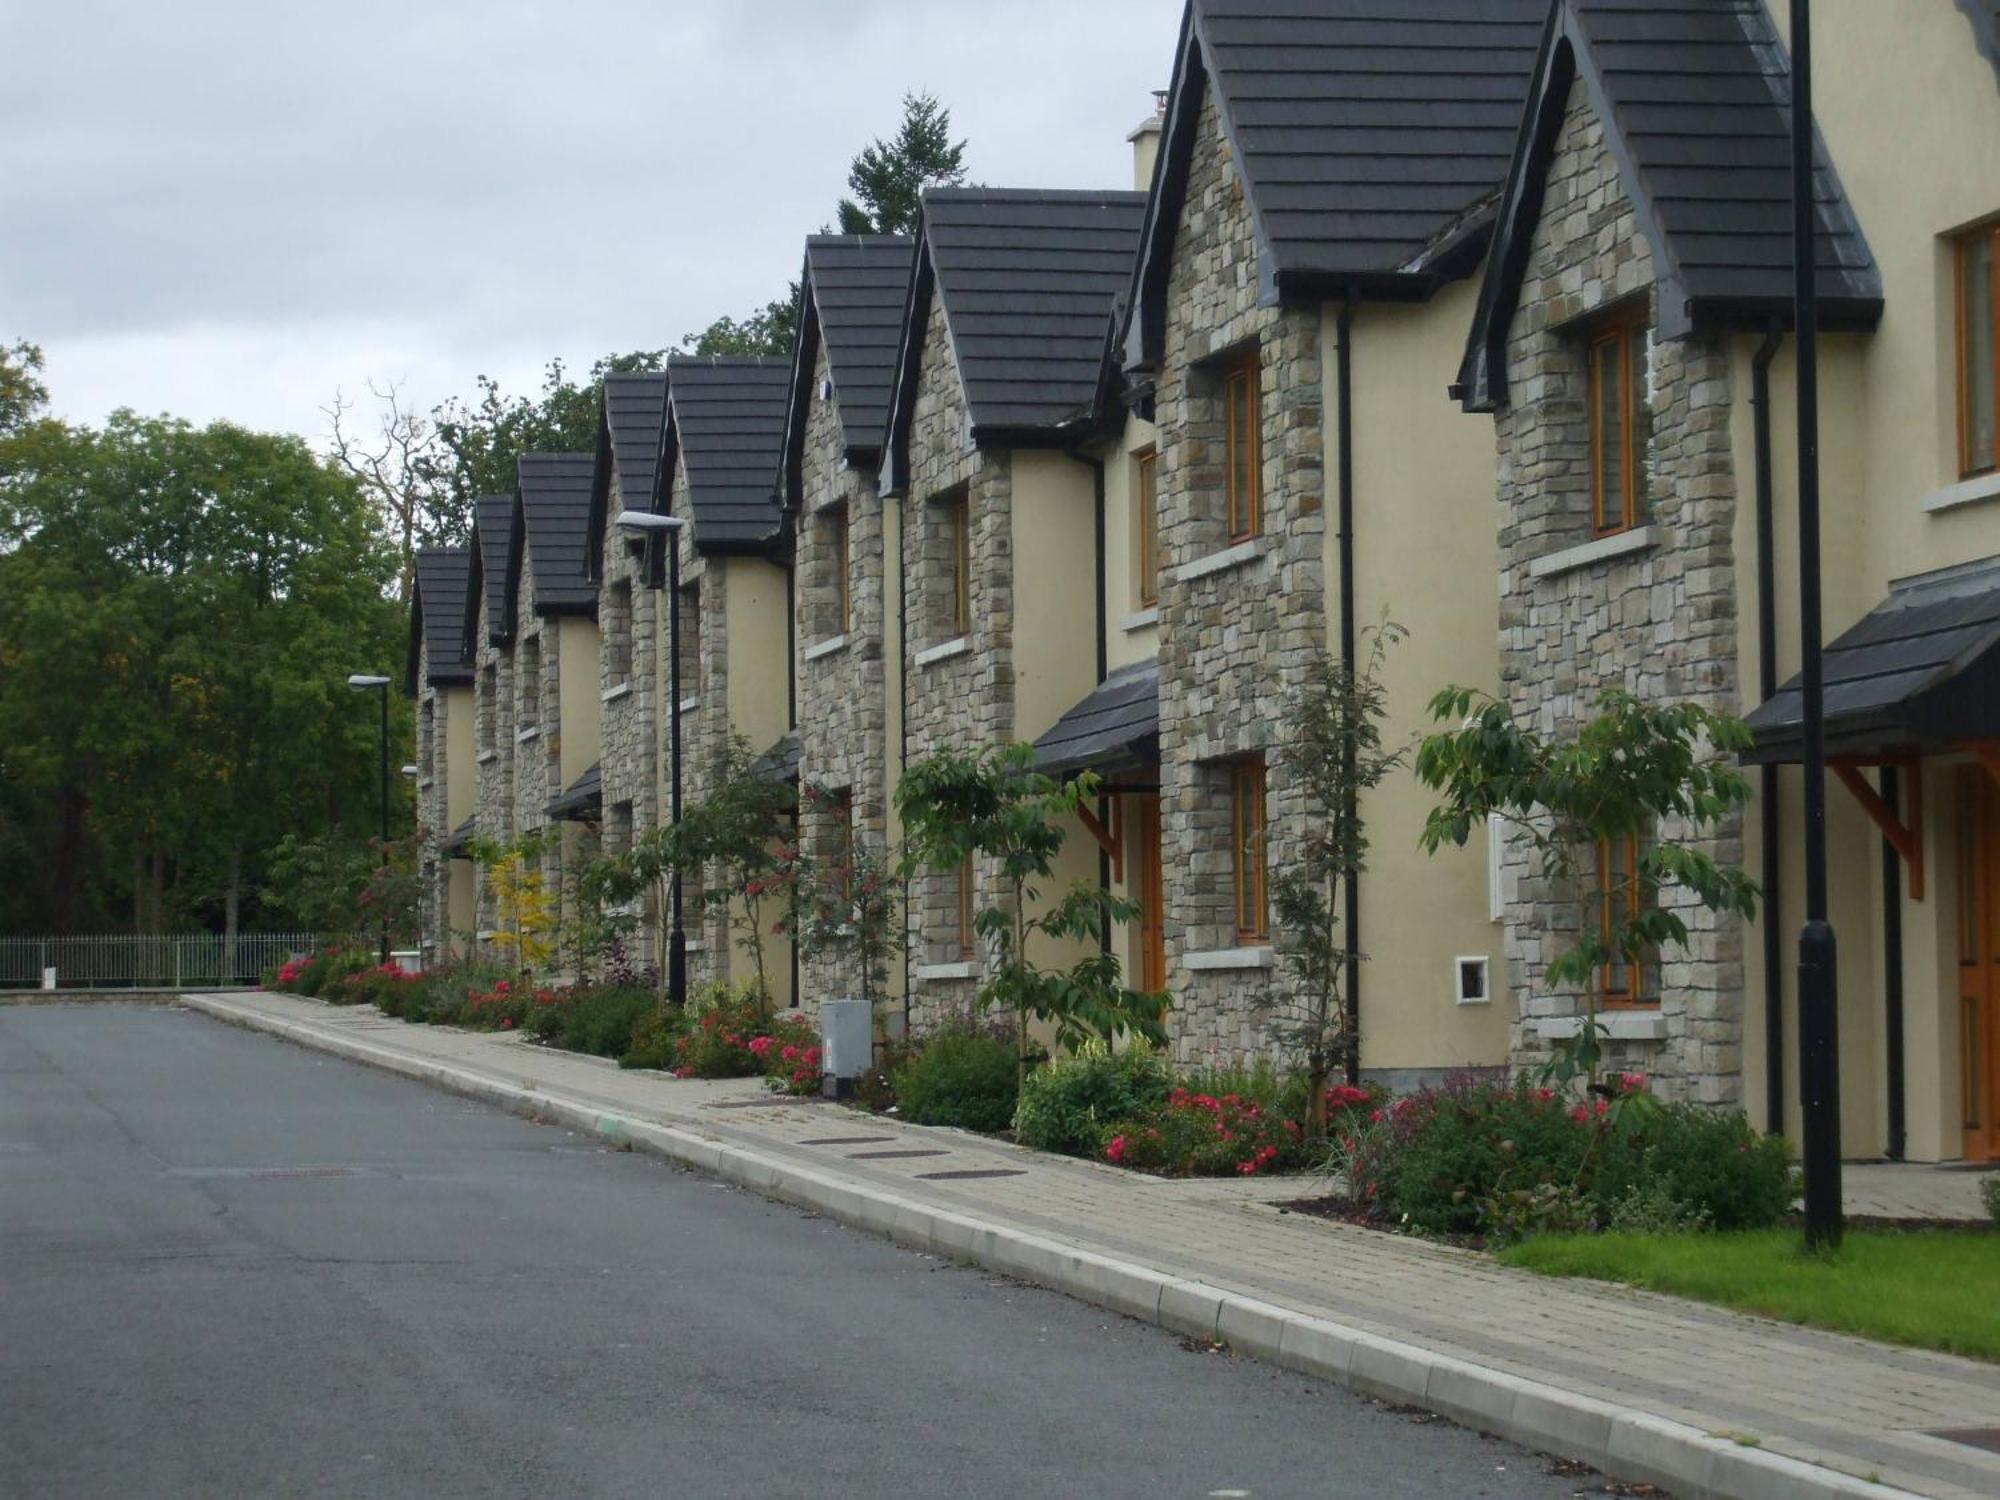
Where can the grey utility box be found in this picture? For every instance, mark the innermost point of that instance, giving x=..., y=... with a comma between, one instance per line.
x=848, y=1030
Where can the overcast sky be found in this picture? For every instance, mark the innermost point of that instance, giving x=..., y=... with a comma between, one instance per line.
x=231, y=210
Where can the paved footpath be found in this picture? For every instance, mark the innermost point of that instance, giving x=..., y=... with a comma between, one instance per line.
x=1700, y=1400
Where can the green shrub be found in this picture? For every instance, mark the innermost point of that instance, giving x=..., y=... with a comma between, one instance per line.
x=1989, y=1191
x=962, y=1077
x=598, y=1019
x=654, y=1038
x=1509, y=1160
x=315, y=973
x=1205, y=1135
x=715, y=1043
x=1067, y=1104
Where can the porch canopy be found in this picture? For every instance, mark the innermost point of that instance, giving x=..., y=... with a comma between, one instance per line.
x=582, y=802
x=459, y=845
x=1918, y=675
x=780, y=762
x=1113, y=730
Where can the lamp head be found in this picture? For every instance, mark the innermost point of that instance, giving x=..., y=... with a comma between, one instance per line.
x=361, y=681
x=645, y=522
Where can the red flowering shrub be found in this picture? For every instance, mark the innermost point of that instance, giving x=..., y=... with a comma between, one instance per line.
x=318, y=974
x=1203, y=1135
x=502, y=1008
x=734, y=1039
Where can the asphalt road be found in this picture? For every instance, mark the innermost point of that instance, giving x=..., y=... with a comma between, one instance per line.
x=229, y=1267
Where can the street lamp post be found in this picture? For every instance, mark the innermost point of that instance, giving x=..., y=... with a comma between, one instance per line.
x=363, y=682
x=1819, y=991
x=650, y=525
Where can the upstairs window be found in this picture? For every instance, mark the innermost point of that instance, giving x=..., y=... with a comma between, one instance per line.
x=1620, y=894
x=529, y=694
x=690, y=641
x=955, y=516
x=1620, y=425
x=840, y=559
x=1979, y=352
x=1247, y=850
x=489, y=709
x=618, y=633
x=426, y=733
x=1146, y=526
x=1243, y=445
x=966, y=933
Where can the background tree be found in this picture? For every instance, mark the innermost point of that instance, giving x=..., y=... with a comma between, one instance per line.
x=889, y=176
x=22, y=394
x=1635, y=772
x=993, y=805
x=1335, y=753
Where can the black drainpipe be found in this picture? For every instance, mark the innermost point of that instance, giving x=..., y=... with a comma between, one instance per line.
x=1767, y=796
x=1351, y=887
x=902, y=695
x=1892, y=960
x=1103, y=670
x=792, y=721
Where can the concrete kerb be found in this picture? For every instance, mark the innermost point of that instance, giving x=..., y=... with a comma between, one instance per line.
x=1624, y=1443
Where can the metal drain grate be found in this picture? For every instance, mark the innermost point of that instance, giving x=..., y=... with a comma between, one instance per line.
x=846, y=1140
x=1973, y=1437
x=971, y=1173
x=890, y=1155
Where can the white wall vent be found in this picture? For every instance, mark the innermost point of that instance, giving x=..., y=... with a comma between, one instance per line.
x=1472, y=975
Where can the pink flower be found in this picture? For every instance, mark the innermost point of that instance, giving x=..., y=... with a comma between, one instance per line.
x=762, y=1044
x=1375, y=1116
x=1115, y=1151
x=1632, y=1083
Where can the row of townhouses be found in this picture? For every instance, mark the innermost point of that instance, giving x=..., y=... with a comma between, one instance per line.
x=1471, y=314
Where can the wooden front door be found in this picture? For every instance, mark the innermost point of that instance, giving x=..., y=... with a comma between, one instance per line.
x=1979, y=961
x=1143, y=821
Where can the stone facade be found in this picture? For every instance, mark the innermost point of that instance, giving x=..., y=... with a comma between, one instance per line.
x=536, y=726
x=633, y=633
x=493, y=699
x=433, y=817
x=843, y=688
x=1659, y=622
x=1239, y=625
x=704, y=720
x=961, y=686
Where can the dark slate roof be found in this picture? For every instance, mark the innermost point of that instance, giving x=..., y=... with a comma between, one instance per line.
x=1985, y=18
x=491, y=577
x=859, y=285
x=1694, y=97
x=555, y=515
x=1116, y=726
x=1921, y=671
x=437, y=616
x=1369, y=135
x=781, y=761
x=1029, y=281
x=581, y=800
x=635, y=414
x=460, y=841
x=726, y=419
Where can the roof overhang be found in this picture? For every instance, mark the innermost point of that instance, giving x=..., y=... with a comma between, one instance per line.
x=1114, y=729
x=582, y=801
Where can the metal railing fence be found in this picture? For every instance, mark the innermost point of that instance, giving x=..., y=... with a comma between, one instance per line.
x=169, y=961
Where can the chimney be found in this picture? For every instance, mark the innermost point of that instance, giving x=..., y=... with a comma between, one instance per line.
x=1146, y=142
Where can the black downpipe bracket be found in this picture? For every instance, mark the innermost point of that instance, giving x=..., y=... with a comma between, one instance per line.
x=1350, y=887
x=1892, y=964
x=1767, y=790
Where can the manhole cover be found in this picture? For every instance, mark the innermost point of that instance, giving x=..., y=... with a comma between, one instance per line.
x=890, y=1155
x=1973, y=1437
x=973, y=1172
x=846, y=1140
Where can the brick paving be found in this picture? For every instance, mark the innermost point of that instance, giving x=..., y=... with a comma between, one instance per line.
x=1848, y=1404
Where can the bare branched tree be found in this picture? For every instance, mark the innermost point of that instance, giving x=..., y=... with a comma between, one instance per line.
x=395, y=464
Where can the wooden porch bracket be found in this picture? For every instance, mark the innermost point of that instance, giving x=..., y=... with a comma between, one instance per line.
x=1987, y=753
x=1111, y=840
x=1906, y=838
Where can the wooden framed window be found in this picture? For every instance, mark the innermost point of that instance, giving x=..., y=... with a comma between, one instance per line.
x=1620, y=985
x=618, y=633
x=1979, y=352
x=489, y=705
x=529, y=694
x=1247, y=850
x=958, y=534
x=968, y=946
x=1243, y=444
x=426, y=733
x=690, y=640
x=843, y=591
x=1146, y=525
x=1620, y=425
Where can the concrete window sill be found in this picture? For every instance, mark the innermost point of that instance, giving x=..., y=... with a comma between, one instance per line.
x=1965, y=492
x=1238, y=556
x=933, y=972
x=1603, y=549
x=1248, y=957
x=1144, y=619
x=689, y=705
x=522, y=736
x=827, y=647
x=1619, y=1026
x=614, y=693
x=486, y=757
x=944, y=652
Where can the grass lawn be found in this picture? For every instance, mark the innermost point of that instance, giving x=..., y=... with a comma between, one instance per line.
x=1937, y=1289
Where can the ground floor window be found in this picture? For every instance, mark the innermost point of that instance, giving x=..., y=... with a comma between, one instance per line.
x=1248, y=850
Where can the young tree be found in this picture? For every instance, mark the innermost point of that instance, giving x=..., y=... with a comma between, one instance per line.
x=845, y=908
x=888, y=177
x=992, y=804
x=1336, y=755
x=1635, y=773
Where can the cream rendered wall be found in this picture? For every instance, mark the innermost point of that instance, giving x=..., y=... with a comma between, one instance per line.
x=461, y=907
x=1132, y=634
x=581, y=710
x=1910, y=113
x=1426, y=553
x=1055, y=610
x=461, y=745
x=759, y=675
